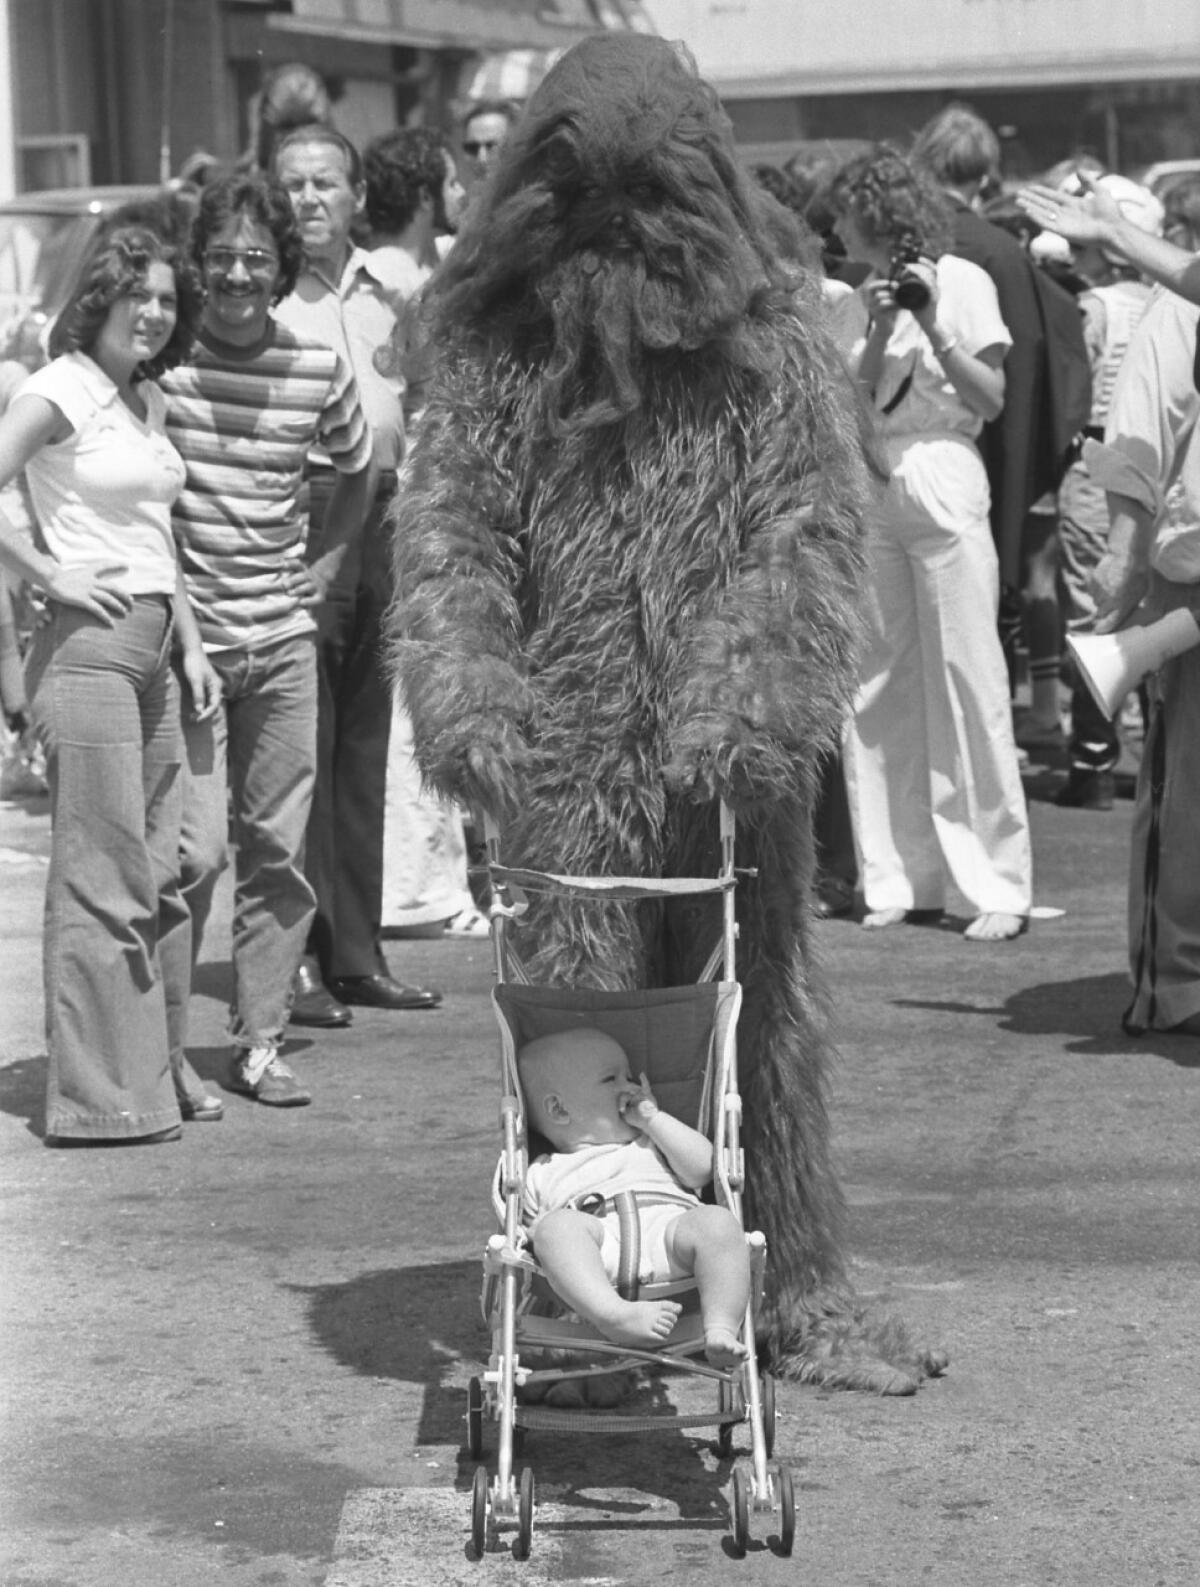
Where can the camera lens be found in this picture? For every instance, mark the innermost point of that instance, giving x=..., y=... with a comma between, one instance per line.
x=910, y=292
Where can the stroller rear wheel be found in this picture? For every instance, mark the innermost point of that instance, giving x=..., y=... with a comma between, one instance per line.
x=475, y=1419
x=767, y=1390
x=479, y=1512
x=523, y=1541
x=727, y=1405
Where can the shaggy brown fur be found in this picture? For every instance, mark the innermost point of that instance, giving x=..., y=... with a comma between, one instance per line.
x=628, y=547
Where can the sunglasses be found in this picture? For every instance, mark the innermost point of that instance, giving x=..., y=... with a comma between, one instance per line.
x=256, y=260
x=476, y=146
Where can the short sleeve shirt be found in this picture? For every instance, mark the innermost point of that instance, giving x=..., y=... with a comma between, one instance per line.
x=245, y=421
x=559, y=1179
x=361, y=320
x=1151, y=449
x=103, y=496
x=969, y=310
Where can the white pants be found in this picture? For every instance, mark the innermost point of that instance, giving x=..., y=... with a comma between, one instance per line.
x=931, y=766
x=424, y=851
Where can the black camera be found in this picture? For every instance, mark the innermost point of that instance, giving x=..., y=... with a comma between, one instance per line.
x=908, y=288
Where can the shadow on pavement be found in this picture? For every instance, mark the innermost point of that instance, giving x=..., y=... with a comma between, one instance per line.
x=23, y=1092
x=1088, y=1008
x=422, y=1324
x=412, y=1323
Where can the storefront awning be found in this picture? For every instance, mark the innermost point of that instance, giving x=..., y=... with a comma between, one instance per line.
x=488, y=25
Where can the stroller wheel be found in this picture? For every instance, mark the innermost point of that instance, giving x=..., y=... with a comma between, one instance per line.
x=725, y=1407
x=767, y=1390
x=523, y=1541
x=740, y=1509
x=787, y=1511
x=475, y=1419
x=479, y=1512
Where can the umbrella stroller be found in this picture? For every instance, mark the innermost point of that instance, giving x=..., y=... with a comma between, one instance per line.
x=685, y=1039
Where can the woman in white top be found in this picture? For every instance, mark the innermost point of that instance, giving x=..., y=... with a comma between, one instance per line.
x=88, y=430
x=931, y=766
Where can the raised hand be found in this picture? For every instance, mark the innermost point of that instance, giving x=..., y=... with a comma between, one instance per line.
x=637, y=1104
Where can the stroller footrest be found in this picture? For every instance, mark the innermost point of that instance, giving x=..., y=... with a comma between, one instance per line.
x=545, y=1416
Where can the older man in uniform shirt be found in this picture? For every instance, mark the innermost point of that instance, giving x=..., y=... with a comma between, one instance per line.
x=340, y=300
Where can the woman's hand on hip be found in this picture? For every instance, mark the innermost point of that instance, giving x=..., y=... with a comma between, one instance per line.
x=92, y=589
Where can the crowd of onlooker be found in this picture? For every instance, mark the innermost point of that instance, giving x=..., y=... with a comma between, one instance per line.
x=198, y=477
x=1031, y=369
x=196, y=486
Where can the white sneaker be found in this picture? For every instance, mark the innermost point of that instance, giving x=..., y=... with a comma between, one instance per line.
x=259, y=1072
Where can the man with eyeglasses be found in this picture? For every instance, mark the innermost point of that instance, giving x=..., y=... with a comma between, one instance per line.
x=484, y=129
x=244, y=413
x=340, y=299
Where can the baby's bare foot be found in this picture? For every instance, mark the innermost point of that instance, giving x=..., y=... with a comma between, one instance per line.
x=642, y=1322
x=723, y=1348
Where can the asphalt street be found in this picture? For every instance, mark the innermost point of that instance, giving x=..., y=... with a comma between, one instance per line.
x=242, y=1358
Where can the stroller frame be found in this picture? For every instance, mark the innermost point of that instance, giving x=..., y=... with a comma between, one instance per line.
x=512, y=1282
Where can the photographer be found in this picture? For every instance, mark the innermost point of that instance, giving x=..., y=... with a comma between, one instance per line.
x=931, y=764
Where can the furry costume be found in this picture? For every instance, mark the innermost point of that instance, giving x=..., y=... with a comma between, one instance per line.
x=628, y=550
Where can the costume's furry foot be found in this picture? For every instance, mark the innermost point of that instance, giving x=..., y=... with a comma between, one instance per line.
x=855, y=1350
x=641, y=1323
x=723, y=1348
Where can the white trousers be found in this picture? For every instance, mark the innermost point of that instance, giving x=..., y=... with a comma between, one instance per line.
x=424, y=850
x=931, y=765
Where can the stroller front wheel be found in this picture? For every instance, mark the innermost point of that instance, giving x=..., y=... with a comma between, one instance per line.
x=787, y=1511
x=523, y=1541
x=740, y=1510
x=479, y=1512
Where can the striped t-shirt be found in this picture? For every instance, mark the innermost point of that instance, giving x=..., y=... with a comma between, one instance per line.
x=243, y=421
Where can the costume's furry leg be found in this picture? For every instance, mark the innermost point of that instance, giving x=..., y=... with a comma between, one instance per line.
x=812, y=1326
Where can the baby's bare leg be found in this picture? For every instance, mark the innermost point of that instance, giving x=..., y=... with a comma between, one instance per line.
x=568, y=1248
x=711, y=1244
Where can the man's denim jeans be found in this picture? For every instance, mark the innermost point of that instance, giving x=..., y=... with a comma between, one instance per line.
x=107, y=707
x=255, y=761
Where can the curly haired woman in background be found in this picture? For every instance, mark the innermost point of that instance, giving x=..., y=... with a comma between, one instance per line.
x=88, y=430
x=931, y=765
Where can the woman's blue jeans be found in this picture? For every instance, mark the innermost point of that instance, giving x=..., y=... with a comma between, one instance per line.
x=106, y=704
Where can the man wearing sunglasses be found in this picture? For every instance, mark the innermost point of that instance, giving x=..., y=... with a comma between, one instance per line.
x=243, y=413
x=485, y=127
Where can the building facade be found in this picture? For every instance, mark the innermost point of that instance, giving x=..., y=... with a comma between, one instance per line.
x=1119, y=79
x=117, y=91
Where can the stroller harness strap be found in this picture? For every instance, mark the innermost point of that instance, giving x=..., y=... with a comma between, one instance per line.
x=625, y=1204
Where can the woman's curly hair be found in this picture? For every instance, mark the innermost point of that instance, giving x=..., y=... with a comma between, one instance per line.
x=117, y=263
x=617, y=233
x=892, y=200
x=262, y=199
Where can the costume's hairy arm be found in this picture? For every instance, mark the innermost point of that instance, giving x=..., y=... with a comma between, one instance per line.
x=454, y=626
x=771, y=670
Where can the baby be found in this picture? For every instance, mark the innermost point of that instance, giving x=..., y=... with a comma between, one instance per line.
x=609, y=1136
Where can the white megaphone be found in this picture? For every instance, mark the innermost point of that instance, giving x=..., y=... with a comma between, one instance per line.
x=1113, y=664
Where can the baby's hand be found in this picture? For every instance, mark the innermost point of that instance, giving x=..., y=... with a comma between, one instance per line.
x=637, y=1103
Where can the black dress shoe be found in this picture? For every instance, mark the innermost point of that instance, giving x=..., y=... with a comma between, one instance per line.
x=314, y=1004
x=380, y=991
